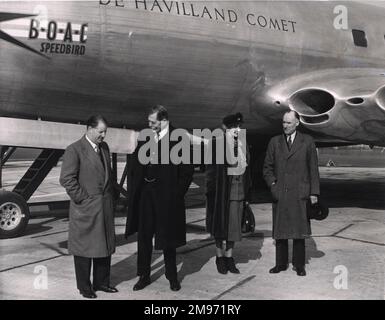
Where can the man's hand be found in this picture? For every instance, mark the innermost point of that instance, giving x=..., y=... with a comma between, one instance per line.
x=313, y=199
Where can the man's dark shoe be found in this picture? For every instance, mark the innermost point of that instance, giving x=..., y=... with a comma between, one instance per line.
x=230, y=264
x=143, y=282
x=278, y=269
x=300, y=271
x=89, y=294
x=175, y=285
x=106, y=289
x=221, y=265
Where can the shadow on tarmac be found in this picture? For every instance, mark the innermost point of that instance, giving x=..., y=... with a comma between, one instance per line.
x=192, y=257
x=40, y=227
x=311, y=250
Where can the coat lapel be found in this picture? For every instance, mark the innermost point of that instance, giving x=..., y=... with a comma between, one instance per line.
x=283, y=145
x=92, y=156
x=106, y=166
x=298, y=142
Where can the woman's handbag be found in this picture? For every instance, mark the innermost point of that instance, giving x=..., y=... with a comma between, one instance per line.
x=248, y=220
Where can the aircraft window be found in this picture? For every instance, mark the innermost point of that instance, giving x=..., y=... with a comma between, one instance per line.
x=359, y=38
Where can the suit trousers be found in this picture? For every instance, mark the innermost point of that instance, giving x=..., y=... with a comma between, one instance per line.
x=282, y=252
x=146, y=231
x=101, y=272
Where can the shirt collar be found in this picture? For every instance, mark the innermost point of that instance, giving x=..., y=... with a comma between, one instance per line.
x=93, y=145
x=292, y=136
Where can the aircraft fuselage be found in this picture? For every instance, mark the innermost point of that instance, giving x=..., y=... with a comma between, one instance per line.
x=201, y=59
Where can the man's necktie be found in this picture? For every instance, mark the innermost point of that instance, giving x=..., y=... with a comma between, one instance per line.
x=236, y=146
x=97, y=149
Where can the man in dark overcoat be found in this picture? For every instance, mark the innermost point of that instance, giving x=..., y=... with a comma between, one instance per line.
x=291, y=171
x=156, y=201
x=86, y=177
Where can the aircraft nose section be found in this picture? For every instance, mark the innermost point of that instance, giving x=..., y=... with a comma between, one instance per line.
x=380, y=97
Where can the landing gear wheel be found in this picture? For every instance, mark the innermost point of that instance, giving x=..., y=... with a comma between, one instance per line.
x=14, y=214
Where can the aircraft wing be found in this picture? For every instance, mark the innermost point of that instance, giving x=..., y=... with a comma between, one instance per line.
x=55, y=135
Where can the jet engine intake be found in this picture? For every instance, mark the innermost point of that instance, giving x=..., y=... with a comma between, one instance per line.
x=312, y=102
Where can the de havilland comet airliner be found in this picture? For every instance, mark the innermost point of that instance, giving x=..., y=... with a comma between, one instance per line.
x=61, y=61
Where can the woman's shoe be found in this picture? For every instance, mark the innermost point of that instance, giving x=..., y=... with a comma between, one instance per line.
x=230, y=264
x=221, y=265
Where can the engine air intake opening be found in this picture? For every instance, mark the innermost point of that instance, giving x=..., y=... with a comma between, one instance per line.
x=356, y=100
x=312, y=102
x=315, y=120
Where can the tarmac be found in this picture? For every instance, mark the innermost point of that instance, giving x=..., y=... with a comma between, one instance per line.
x=344, y=257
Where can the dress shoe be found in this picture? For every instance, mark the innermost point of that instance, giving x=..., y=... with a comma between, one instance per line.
x=106, y=289
x=175, y=285
x=278, y=269
x=300, y=272
x=230, y=264
x=143, y=282
x=88, y=294
x=221, y=265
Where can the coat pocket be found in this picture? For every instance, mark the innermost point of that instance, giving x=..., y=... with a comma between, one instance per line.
x=86, y=201
x=89, y=205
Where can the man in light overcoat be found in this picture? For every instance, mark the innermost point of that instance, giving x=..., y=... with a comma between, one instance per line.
x=86, y=176
x=291, y=171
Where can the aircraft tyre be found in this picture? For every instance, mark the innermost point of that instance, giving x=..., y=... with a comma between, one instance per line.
x=14, y=214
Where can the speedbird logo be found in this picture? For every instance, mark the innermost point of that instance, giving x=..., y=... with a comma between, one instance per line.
x=7, y=16
x=65, y=38
x=61, y=36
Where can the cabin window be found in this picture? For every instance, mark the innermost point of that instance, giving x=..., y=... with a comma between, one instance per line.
x=359, y=38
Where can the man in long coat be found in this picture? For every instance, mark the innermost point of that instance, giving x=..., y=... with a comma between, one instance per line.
x=156, y=202
x=86, y=176
x=291, y=172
